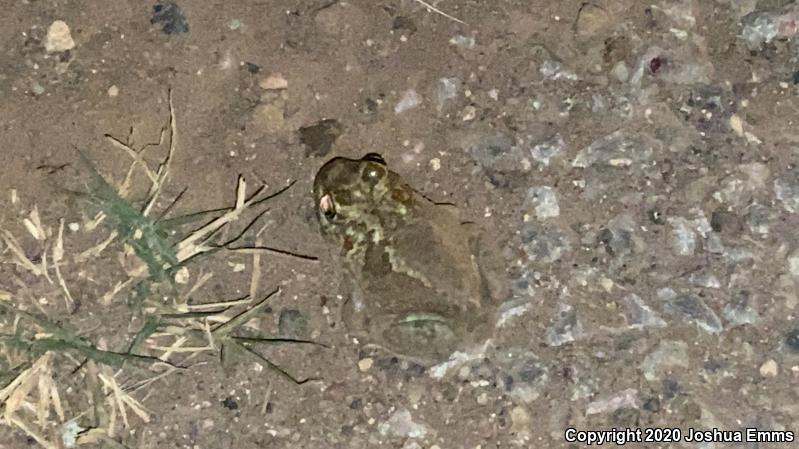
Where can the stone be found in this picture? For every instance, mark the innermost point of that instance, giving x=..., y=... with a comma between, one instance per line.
x=409, y=100
x=792, y=340
x=769, y=368
x=292, y=323
x=520, y=420
x=544, y=200
x=58, y=37
x=544, y=244
x=446, y=90
x=275, y=81
x=319, y=137
x=741, y=310
x=786, y=189
x=592, y=21
x=365, y=364
x=522, y=374
x=567, y=327
x=668, y=354
x=619, y=149
x=624, y=399
x=269, y=117
x=401, y=424
x=638, y=314
x=692, y=309
x=546, y=150
x=169, y=17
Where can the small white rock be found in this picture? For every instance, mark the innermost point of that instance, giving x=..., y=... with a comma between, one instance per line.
x=737, y=124
x=58, y=37
x=182, y=276
x=469, y=113
x=275, y=81
x=769, y=368
x=238, y=267
x=113, y=91
x=435, y=164
x=365, y=364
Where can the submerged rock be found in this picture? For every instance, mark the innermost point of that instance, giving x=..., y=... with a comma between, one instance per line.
x=169, y=17
x=668, y=354
x=522, y=374
x=544, y=200
x=319, y=137
x=638, y=315
x=567, y=327
x=618, y=149
x=401, y=424
x=691, y=309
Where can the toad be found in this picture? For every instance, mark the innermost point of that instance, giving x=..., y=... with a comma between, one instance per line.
x=422, y=278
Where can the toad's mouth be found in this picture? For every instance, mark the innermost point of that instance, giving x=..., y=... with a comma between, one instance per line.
x=327, y=206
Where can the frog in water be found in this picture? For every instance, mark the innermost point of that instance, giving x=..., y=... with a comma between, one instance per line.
x=420, y=276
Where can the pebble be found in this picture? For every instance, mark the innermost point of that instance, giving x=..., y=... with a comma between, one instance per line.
x=319, y=137
x=741, y=310
x=113, y=91
x=793, y=263
x=618, y=146
x=469, y=113
x=684, y=238
x=691, y=309
x=638, y=314
x=409, y=100
x=668, y=354
x=520, y=420
x=269, y=117
x=544, y=151
x=624, y=399
x=461, y=41
x=275, y=81
x=567, y=327
x=169, y=17
x=737, y=125
x=446, y=90
x=592, y=21
x=544, y=244
x=37, y=88
x=59, y=37
x=292, y=323
x=182, y=276
x=787, y=190
x=769, y=368
x=620, y=72
x=545, y=201
x=401, y=424
x=792, y=340
x=365, y=364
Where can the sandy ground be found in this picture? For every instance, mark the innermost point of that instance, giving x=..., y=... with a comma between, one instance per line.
x=635, y=160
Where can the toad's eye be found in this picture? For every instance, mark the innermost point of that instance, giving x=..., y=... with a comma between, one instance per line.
x=373, y=173
x=328, y=207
